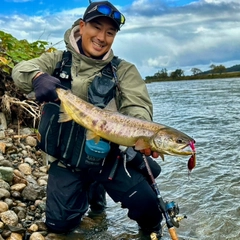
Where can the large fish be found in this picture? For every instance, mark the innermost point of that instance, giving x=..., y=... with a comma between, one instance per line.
x=125, y=130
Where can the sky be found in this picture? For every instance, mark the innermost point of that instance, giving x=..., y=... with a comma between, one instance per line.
x=158, y=34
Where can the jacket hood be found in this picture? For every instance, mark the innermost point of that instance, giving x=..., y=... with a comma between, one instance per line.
x=71, y=38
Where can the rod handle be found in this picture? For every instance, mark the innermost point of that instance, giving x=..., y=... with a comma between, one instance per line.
x=173, y=233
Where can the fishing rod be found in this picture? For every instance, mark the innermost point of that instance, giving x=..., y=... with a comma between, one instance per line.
x=165, y=208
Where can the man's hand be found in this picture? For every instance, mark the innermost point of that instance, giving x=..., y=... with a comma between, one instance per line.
x=148, y=152
x=45, y=87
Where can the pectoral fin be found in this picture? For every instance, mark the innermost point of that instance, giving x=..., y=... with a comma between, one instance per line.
x=162, y=156
x=141, y=144
x=63, y=116
x=91, y=135
x=111, y=106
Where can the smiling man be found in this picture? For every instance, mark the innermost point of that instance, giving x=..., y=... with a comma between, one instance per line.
x=83, y=171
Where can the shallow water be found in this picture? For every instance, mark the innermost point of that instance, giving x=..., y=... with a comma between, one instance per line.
x=208, y=111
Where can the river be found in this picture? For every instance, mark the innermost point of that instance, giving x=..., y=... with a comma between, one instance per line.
x=208, y=111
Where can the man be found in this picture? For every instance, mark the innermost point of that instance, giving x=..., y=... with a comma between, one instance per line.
x=73, y=182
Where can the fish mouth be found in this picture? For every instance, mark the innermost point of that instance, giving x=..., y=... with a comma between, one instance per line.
x=186, y=149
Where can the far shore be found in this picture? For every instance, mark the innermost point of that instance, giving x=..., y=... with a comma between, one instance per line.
x=200, y=77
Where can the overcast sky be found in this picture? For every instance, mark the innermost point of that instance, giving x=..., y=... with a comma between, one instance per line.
x=158, y=34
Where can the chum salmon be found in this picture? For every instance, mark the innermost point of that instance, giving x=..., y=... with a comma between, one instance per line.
x=125, y=130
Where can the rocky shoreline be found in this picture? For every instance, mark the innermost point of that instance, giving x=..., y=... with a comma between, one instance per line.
x=23, y=180
x=23, y=183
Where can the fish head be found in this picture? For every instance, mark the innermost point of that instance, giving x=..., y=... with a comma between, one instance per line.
x=170, y=141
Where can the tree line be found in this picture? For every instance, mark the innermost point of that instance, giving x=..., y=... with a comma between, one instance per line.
x=216, y=71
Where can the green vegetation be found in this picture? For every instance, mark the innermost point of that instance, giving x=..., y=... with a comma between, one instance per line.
x=216, y=72
x=12, y=51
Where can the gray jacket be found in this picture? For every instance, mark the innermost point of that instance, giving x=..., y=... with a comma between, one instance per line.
x=134, y=101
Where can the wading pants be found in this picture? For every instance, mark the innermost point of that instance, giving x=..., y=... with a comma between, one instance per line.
x=70, y=193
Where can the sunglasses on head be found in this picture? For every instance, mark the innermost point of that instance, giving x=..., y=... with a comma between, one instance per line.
x=108, y=11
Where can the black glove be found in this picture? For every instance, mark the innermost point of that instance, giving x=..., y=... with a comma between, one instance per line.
x=137, y=162
x=45, y=87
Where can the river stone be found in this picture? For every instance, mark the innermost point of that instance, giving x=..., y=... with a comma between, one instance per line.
x=1, y=226
x=6, y=173
x=26, y=131
x=3, y=147
x=18, y=173
x=36, y=236
x=15, y=236
x=4, y=193
x=41, y=226
x=31, y=141
x=9, y=202
x=6, y=163
x=17, y=179
x=2, y=135
x=42, y=182
x=29, y=160
x=9, y=217
x=33, y=228
x=21, y=214
x=24, y=153
x=25, y=168
x=18, y=187
x=3, y=207
x=44, y=169
x=4, y=184
x=31, y=192
x=16, y=194
x=6, y=233
x=30, y=179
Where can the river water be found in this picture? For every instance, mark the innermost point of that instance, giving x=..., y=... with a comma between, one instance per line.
x=208, y=111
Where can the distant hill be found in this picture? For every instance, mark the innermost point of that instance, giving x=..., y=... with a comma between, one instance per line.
x=235, y=68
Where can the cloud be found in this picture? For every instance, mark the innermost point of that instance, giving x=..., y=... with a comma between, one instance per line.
x=18, y=1
x=155, y=36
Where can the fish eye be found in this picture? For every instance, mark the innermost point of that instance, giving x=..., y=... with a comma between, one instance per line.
x=179, y=140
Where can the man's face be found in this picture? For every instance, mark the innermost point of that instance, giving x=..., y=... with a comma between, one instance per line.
x=97, y=36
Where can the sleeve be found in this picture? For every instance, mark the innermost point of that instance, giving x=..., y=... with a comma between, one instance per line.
x=134, y=100
x=25, y=71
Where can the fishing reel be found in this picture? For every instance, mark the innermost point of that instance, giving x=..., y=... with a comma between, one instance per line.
x=173, y=211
